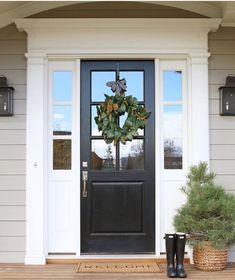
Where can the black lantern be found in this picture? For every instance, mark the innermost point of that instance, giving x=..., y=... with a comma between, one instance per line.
x=6, y=98
x=227, y=97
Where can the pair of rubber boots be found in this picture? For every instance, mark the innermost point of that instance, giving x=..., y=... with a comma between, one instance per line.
x=175, y=246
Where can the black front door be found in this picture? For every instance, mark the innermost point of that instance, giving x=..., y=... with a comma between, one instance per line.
x=118, y=212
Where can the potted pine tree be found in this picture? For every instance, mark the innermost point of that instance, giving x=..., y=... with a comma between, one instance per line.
x=208, y=217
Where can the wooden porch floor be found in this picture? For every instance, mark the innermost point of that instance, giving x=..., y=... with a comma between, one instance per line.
x=67, y=271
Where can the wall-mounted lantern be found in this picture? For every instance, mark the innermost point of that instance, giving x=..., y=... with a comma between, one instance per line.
x=227, y=97
x=6, y=98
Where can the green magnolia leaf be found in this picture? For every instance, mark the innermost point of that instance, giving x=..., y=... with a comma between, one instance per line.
x=105, y=121
x=129, y=99
x=134, y=133
x=108, y=141
x=131, y=118
x=123, y=107
x=105, y=131
x=119, y=98
x=147, y=115
x=96, y=120
x=141, y=124
x=110, y=134
x=103, y=115
x=135, y=102
x=128, y=123
x=113, y=125
x=98, y=110
x=129, y=136
x=123, y=140
x=125, y=130
x=117, y=134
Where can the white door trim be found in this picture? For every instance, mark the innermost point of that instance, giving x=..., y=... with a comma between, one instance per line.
x=76, y=39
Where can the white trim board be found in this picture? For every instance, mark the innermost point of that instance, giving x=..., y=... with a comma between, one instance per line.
x=159, y=39
x=117, y=36
x=162, y=24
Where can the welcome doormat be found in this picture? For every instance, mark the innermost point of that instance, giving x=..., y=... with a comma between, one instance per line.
x=125, y=267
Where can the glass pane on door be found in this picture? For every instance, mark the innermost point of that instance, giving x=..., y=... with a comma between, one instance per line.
x=132, y=155
x=98, y=84
x=103, y=156
x=135, y=83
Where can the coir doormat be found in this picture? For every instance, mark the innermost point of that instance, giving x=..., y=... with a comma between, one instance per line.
x=125, y=267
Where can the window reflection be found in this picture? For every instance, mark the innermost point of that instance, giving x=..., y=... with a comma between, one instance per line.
x=172, y=81
x=94, y=127
x=62, y=85
x=62, y=154
x=135, y=83
x=103, y=155
x=173, y=121
x=172, y=117
x=98, y=84
x=62, y=120
x=132, y=155
x=172, y=153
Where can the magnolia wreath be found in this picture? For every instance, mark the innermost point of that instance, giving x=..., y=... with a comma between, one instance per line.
x=115, y=106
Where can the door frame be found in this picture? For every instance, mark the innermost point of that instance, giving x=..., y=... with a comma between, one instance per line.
x=66, y=39
x=160, y=64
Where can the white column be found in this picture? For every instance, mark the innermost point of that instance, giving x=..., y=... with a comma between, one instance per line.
x=35, y=167
x=198, y=112
x=198, y=109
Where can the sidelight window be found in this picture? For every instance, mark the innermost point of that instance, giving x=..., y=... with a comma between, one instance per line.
x=172, y=119
x=62, y=119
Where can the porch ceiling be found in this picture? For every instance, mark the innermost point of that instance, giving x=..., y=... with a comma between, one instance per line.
x=9, y=10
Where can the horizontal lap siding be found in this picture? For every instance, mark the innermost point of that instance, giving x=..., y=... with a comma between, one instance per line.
x=13, y=46
x=222, y=129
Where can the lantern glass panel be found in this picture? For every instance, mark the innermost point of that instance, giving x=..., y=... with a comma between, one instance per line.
x=227, y=107
x=6, y=105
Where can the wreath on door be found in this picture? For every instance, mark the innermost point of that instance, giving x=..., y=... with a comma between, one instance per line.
x=115, y=106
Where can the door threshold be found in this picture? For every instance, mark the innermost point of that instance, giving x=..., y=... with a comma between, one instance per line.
x=113, y=259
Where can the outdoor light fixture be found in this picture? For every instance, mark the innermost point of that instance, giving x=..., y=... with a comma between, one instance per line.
x=6, y=98
x=227, y=97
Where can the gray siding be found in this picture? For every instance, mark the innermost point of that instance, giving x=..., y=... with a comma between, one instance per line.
x=12, y=148
x=222, y=129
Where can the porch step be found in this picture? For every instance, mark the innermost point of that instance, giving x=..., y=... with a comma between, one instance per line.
x=75, y=261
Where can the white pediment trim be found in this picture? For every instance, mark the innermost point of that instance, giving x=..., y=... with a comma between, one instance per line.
x=117, y=36
x=164, y=24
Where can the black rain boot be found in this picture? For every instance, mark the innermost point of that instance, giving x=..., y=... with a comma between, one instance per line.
x=170, y=255
x=180, y=247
